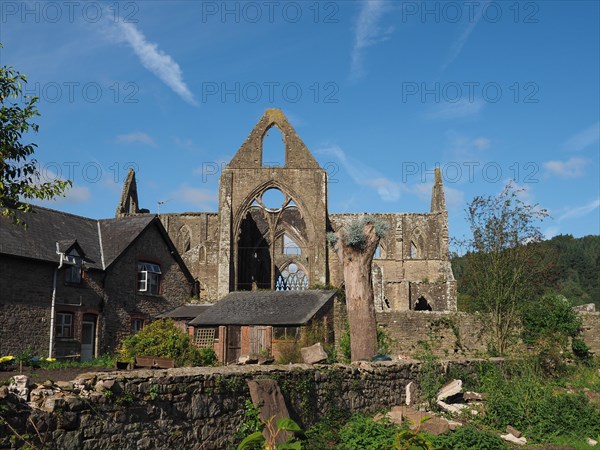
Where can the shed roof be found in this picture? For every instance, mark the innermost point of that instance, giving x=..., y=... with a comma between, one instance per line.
x=266, y=308
x=187, y=311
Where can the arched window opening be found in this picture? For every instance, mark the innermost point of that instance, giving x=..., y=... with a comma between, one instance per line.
x=184, y=238
x=273, y=199
x=290, y=247
x=422, y=305
x=414, y=251
x=292, y=278
x=273, y=148
x=380, y=252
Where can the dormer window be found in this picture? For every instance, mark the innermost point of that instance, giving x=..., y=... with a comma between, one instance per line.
x=148, y=279
x=74, y=262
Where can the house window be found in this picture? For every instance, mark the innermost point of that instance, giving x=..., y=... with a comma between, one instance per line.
x=137, y=325
x=148, y=279
x=286, y=333
x=64, y=325
x=205, y=337
x=73, y=273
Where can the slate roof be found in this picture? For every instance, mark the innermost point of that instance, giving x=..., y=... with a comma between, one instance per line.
x=188, y=311
x=118, y=234
x=46, y=227
x=283, y=308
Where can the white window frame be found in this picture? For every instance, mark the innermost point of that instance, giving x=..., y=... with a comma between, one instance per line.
x=148, y=279
x=61, y=325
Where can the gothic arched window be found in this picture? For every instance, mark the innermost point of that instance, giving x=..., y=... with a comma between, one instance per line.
x=292, y=278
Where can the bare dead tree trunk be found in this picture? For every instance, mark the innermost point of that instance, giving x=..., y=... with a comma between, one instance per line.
x=356, y=264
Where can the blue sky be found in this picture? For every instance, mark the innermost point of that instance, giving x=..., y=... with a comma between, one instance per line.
x=380, y=92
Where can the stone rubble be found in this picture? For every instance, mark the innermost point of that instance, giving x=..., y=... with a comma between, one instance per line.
x=515, y=440
x=516, y=433
x=315, y=354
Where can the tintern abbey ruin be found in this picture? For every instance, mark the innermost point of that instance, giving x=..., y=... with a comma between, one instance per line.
x=255, y=242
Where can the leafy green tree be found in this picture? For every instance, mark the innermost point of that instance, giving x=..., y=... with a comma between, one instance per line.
x=550, y=317
x=569, y=267
x=503, y=269
x=20, y=180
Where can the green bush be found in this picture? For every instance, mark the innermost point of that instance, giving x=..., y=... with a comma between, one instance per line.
x=363, y=433
x=522, y=396
x=161, y=338
x=550, y=316
x=564, y=414
x=469, y=438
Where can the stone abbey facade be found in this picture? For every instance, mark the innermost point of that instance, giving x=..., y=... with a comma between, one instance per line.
x=270, y=232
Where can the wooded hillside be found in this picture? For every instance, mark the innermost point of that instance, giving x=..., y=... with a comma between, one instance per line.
x=571, y=268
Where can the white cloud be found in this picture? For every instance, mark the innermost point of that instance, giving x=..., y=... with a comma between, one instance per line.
x=458, y=45
x=152, y=58
x=136, y=136
x=199, y=198
x=77, y=194
x=463, y=148
x=368, y=32
x=74, y=195
x=455, y=198
x=572, y=168
x=481, y=143
x=458, y=110
x=580, y=211
x=186, y=144
x=388, y=190
x=364, y=175
x=583, y=139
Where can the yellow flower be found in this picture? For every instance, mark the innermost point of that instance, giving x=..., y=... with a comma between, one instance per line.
x=50, y=359
x=6, y=358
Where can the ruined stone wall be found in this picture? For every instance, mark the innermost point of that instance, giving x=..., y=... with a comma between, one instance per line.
x=401, y=275
x=449, y=334
x=306, y=187
x=200, y=407
x=591, y=330
x=196, y=236
x=456, y=334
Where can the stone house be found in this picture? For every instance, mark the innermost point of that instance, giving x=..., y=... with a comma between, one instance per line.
x=271, y=225
x=71, y=286
x=263, y=322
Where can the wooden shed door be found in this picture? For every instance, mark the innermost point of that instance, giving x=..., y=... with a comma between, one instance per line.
x=258, y=340
x=234, y=343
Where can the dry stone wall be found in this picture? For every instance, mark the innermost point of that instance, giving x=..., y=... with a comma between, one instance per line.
x=197, y=407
